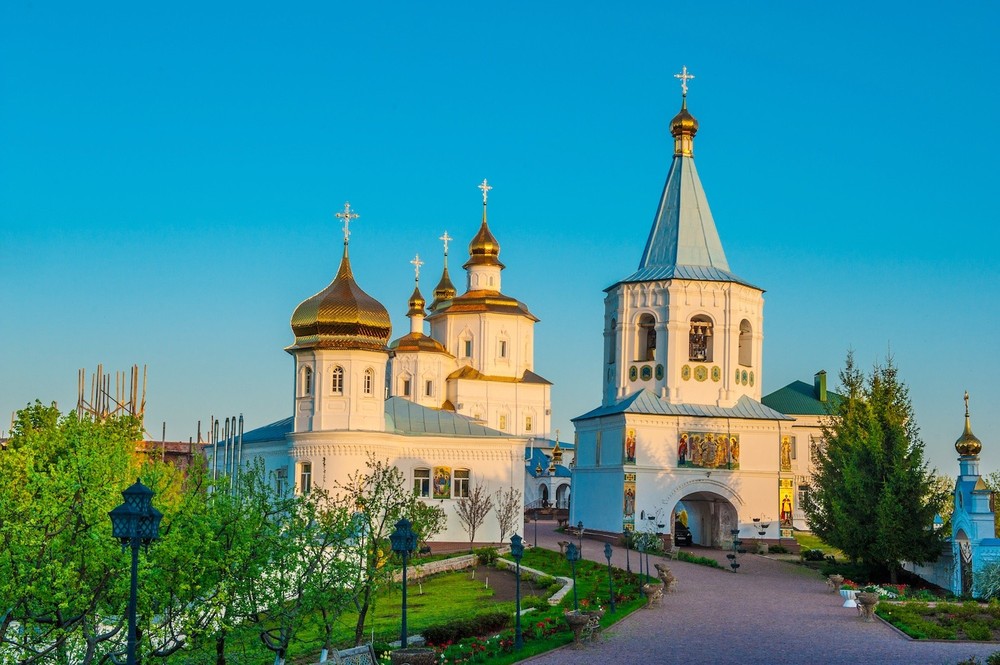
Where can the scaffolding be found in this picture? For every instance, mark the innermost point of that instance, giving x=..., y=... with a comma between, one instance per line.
x=106, y=400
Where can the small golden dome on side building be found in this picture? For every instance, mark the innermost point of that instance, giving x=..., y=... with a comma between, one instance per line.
x=968, y=445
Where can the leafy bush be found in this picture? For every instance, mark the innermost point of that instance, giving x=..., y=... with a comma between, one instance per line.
x=813, y=555
x=778, y=549
x=533, y=602
x=486, y=555
x=987, y=580
x=458, y=629
x=700, y=560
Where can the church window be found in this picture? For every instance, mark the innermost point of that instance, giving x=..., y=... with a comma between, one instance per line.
x=503, y=421
x=503, y=348
x=613, y=345
x=803, y=494
x=527, y=423
x=466, y=348
x=461, y=489
x=429, y=388
x=305, y=477
x=597, y=450
x=647, y=337
x=816, y=445
x=369, y=381
x=406, y=387
x=700, y=339
x=746, y=344
x=307, y=381
x=422, y=482
x=281, y=481
x=337, y=380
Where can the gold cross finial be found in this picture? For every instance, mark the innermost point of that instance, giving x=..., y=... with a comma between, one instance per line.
x=684, y=77
x=446, y=239
x=348, y=215
x=416, y=267
x=486, y=187
x=966, y=403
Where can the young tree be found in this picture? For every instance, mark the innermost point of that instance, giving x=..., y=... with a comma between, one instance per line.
x=473, y=509
x=509, y=510
x=872, y=494
x=428, y=520
x=376, y=498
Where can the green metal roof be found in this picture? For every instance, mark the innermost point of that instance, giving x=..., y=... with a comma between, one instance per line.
x=799, y=398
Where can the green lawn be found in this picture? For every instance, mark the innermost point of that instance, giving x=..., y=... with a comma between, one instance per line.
x=808, y=541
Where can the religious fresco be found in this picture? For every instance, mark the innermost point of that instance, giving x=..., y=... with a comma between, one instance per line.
x=708, y=450
x=786, y=494
x=787, y=445
x=628, y=502
x=441, y=486
x=629, y=452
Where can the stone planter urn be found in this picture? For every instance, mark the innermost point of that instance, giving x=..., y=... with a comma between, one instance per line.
x=848, y=595
x=653, y=592
x=413, y=656
x=867, y=601
x=834, y=582
x=577, y=622
x=667, y=577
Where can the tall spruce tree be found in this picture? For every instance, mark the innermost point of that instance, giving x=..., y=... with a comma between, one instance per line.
x=872, y=494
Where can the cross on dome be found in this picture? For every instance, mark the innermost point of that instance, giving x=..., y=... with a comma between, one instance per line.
x=416, y=267
x=445, y=238
x=684, y=77
x=966, y=403
x=348, y=215
x=486, y=187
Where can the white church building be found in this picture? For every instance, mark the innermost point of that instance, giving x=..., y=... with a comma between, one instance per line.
x=452, y=409
x=681, y=426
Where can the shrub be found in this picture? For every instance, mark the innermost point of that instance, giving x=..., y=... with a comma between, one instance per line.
x=779, y=549
x=458, y=629
x=486, y=555
x=700, y=560
x=813, y=555
x=987, y=580
x=533, y=602
x=993, y=658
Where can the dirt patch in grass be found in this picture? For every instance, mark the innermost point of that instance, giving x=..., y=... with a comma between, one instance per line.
x=504, y=584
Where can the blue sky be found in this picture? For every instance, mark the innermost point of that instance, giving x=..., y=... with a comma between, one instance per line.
x=169, y=175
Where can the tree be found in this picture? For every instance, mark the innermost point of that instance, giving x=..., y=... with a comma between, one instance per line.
x=508, y=510
x=473, y=509
x=872, y=494
x=428, y=520
x=376, y=497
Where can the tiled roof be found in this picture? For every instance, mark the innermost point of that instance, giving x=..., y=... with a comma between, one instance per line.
x=798, y=398
x=647, y=402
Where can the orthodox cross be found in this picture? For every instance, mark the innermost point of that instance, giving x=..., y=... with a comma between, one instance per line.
x=446, y=238
x=684, y=77
x=966, y=403
x=347, y=216
x=486, y=187
x=416, y=266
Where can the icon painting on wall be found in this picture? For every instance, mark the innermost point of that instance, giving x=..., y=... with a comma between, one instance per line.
x=629, y=446
x=442, y=482
x=708, y=450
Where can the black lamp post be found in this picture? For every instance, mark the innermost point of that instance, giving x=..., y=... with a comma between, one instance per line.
x=628, y=550
x=135, y=522
x=611, y=587
x=534, y=518
x=733, y=563
x=640, y=547
x=517, y=551
x=403, y=541
x=579, y=535
x=573, y=555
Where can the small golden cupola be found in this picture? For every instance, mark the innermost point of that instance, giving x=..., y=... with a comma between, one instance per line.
x=484, y=250
x=684, y=126
x=444, y=290
x=417, y=301
x=341, y=316
x=968, y=445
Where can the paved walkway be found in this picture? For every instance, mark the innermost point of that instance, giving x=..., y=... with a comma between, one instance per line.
x=770, y=612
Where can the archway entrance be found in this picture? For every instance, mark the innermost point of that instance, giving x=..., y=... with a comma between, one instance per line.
x=545, y=496
x=710, y=517
x=562, y=496
x=964, y=562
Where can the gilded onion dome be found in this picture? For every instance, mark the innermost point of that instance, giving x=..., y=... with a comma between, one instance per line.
x=341, y=316
x=417, y=303
x=484, y=250
x=683, y=128
x=968, y=445
x=444, y=290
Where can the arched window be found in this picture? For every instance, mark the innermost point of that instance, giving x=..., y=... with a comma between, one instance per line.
x=307, y=382
x=369, y=381
x=746, y=343
x=647, y=337
x=337, y=380
x=700, y=339
x=613, y=342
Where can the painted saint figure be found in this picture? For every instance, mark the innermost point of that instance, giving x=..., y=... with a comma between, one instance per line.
x=629, y=501
x=786, y=511
x=786, y=454
x=682, y=450
x=630, y=446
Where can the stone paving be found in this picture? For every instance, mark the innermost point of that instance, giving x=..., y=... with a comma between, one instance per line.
x=770, y=612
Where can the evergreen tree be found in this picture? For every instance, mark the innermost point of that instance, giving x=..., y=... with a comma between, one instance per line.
x=872, y=494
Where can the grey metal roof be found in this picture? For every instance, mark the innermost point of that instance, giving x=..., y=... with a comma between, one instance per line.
x=647, y=402
x=700, y=273
x=405, y=417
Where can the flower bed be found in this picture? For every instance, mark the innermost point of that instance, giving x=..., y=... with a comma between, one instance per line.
x=944, y=621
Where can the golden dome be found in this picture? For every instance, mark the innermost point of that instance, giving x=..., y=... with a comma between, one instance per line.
x=968, y=445
x=445, y=290
x=484, y=250
x=417, y=303
x=341, y=316
x=683, y=123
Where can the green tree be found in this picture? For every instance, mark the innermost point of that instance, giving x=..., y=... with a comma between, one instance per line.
x=872, y=494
